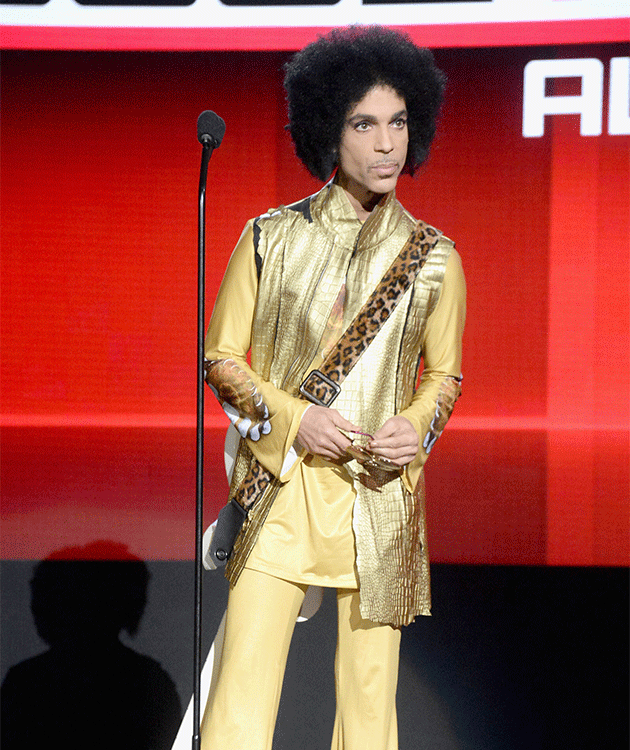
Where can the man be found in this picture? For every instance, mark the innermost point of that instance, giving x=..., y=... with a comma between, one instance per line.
x=337, y=490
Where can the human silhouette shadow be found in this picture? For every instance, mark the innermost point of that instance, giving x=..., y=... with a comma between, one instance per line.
x=89, y=690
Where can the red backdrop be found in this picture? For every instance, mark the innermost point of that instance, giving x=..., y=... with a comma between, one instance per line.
x=99, y=178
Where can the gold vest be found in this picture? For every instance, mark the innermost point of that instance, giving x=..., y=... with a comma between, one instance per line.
x=308, y=251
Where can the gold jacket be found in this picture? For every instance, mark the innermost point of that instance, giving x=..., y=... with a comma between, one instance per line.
x=304, y=253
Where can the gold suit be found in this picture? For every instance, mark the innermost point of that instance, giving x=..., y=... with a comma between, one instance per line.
x=332, y=524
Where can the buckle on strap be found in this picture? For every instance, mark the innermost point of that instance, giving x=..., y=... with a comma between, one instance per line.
x=319, y=388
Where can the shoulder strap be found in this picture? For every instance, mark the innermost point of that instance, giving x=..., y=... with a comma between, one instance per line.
x=323, y=385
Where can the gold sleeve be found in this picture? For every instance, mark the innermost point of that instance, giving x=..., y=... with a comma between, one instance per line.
x=266, y=416
x=439, y=386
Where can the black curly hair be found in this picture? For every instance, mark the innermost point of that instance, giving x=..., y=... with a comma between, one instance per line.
x=326, y=79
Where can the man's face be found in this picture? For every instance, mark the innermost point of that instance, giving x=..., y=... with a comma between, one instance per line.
x=373, y=146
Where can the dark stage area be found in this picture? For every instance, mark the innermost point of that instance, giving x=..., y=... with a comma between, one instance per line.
x=514, y=658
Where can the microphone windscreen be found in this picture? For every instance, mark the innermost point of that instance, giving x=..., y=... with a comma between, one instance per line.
x=210, y=124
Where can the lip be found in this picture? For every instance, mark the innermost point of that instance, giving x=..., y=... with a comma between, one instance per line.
x=385, y=169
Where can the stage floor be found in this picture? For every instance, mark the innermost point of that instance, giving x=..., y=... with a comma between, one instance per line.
x=514, y=658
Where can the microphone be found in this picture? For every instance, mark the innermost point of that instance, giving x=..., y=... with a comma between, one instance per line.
x=210, y=132
x=210, y=129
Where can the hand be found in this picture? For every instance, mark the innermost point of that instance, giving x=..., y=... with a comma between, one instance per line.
x=318, y=432
x=396, y=440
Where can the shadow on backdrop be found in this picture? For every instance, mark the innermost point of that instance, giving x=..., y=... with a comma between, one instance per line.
x=88, y=689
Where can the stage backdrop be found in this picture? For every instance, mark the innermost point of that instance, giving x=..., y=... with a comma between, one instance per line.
x=99, y=192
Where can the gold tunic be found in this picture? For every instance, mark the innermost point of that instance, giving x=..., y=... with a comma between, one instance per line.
x=308, y=252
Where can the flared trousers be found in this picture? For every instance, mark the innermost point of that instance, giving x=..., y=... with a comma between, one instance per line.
x=243, y=702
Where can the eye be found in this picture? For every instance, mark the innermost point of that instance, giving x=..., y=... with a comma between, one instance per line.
x=400, y=123
x=362, y=126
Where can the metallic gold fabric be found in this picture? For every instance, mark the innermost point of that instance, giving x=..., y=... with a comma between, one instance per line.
x=305, y=264
x=255, y=518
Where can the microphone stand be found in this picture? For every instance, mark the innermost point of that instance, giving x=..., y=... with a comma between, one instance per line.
x=208, y=144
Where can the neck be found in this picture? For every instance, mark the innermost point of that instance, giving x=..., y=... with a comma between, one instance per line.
x=363, y=201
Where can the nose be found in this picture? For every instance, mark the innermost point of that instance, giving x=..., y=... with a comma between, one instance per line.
x=384, y=142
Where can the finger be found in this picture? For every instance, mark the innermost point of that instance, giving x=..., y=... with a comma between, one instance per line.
x=392, y=427
x=395, y=453
x=337, y=442
x=400, y=458
x=397, y=446
x=331, y=432
x=332, y=450
x=394, y=442
x=343, y=423
x=328, y=441
x=397, y=431
x=384, y=432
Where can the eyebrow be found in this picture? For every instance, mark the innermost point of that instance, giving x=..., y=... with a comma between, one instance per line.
x=370, y=118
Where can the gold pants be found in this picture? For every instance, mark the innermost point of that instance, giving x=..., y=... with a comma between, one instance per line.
x=243, y=702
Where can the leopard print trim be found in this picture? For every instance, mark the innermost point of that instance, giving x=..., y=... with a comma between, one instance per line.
x=253, y=485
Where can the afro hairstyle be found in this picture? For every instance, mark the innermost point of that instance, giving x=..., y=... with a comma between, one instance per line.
x=326, y=79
